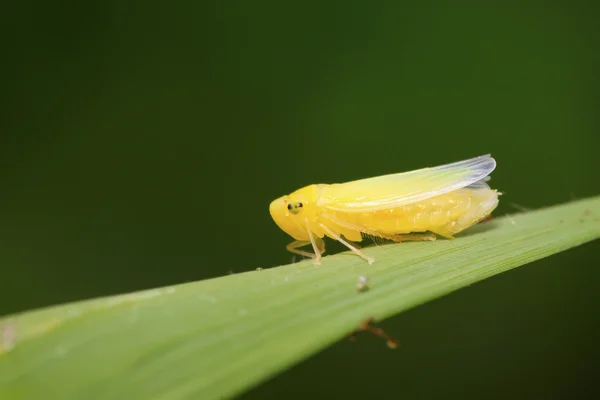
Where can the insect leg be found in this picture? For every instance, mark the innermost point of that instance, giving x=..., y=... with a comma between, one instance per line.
x=331, y=233
x=293, y=248
x=416, y=238
x=317, y=243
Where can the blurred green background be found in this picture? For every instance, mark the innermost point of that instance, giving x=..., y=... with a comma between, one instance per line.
x=141, y=144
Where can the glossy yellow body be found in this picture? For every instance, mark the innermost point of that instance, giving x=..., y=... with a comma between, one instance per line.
x=444, y=200
x=444, y=215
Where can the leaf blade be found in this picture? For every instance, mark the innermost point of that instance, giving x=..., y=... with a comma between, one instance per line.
x=222, y=336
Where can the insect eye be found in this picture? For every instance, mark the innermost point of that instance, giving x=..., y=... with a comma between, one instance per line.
x=294, y=208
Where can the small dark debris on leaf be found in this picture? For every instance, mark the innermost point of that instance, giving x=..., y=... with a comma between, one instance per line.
x=366, y=326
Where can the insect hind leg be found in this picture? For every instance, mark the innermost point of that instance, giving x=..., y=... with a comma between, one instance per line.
x=412, y=237
x=376, y=239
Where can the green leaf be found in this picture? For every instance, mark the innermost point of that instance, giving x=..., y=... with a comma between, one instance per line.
x=219, y=337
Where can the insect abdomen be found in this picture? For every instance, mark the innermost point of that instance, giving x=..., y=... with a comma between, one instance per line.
x=444, y=215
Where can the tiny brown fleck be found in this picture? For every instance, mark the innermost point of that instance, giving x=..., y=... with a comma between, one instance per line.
x=366, y=326
x=487, y=218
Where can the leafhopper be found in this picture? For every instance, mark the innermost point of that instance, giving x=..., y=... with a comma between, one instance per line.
x=414, y=205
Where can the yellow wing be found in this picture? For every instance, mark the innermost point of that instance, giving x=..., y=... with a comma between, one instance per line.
x=399, y=189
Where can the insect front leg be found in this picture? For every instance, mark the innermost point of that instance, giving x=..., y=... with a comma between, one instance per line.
x=356, y=251
x=318, y=247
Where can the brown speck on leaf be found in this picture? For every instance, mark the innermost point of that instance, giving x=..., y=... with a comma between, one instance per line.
x=366, y=326
x=587, y=212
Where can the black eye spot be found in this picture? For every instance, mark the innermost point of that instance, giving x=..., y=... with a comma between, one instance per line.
x=294, y=208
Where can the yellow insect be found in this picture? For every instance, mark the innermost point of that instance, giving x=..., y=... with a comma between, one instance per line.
x=442, y=200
